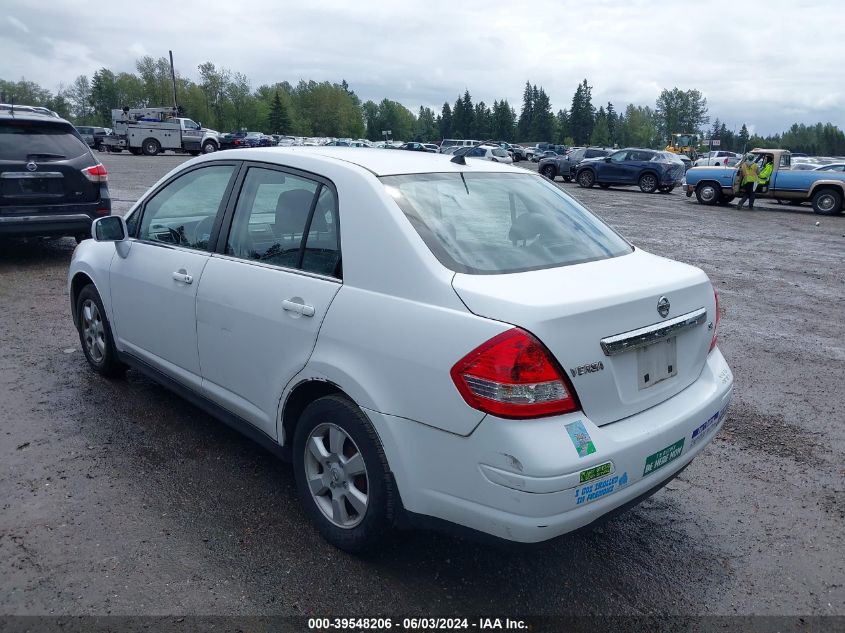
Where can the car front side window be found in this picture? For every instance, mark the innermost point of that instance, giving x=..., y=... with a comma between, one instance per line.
x=183, y=212
x=618, y=157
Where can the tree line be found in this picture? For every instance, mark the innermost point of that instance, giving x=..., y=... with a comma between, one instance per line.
x=225, y=100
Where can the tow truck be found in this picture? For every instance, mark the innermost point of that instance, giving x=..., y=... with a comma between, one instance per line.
x=151, y=131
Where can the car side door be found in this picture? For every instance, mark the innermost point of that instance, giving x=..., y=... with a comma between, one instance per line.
x=611, y=169
x=154, y=286
x=264, y=294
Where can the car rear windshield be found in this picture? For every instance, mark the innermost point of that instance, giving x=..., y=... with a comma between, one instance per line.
x=494, y=223
x=21, y=139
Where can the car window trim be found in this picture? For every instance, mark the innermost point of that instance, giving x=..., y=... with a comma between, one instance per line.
x=229, y=214
x=284, y=269
x=141, y=209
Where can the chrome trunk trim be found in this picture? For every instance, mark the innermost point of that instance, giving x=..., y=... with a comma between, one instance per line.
x=649, y=334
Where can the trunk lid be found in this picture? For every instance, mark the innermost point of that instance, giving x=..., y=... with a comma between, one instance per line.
x=571, y=309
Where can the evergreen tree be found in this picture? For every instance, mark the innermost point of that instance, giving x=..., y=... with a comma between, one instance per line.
x=543, y=123
x=742, y=139
x=582, y=113
x=612, y=120
x=279, y=117
x=526, y=117
x=445, y=121
x=601, y=130
x=504, y=121
x=563, y=132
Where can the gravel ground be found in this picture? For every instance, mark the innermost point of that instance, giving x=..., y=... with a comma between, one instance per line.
x=120, y=498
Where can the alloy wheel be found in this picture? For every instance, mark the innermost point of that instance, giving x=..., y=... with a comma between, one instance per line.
x=336, y=475
x=93, y=331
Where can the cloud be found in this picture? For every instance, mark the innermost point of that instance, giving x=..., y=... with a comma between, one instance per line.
x=17, y=23
x=768, y=71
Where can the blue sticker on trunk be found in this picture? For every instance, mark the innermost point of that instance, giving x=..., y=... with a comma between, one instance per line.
x=580, y=438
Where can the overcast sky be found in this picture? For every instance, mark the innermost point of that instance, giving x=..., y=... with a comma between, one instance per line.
x=780, y=63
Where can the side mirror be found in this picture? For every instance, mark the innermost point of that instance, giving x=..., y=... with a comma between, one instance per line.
x=199, y=125
x=111, y=228
x=607, y=159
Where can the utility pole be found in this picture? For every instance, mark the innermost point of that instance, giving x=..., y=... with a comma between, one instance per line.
x=173, y=79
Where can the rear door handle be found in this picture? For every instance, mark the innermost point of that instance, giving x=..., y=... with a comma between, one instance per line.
x=183, y=276
x=300, y=308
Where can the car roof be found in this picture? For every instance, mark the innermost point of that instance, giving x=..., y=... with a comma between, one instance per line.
x=28, y=115
x=378, y=162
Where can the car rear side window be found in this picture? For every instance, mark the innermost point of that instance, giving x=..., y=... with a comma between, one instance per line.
x=183, y=212
x=485, y=223
x=286, y=220
x=20, y=140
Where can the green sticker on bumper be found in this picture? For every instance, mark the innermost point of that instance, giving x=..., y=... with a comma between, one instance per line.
x=595, y=472
x=663, y=457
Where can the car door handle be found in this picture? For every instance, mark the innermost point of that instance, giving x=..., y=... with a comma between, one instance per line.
x=183, y=276
x=300, y=308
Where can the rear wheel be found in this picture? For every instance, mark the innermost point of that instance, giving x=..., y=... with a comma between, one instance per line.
x=549, y=172
x=648, y=183
x=151, y=147
x=95, y=334
x=586, y=178
x=342, y=475
x=208, y=147
x=827, y=202
x=567, y=179
x=707, y=193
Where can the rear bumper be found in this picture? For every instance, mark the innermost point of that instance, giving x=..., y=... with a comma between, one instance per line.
x=521, y=480
x=52, y=221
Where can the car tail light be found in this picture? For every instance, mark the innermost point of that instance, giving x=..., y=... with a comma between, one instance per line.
x=715, y=322
x=236, y=142
x=97, y=173
x=513, y=375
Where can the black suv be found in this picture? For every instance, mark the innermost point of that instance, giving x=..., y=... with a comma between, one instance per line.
x=566, y=166
x=50, y=182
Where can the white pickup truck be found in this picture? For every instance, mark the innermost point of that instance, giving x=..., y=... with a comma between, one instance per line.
x=151, y=131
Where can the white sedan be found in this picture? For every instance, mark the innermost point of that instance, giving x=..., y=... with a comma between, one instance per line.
x=493, y=153
x=431, y=343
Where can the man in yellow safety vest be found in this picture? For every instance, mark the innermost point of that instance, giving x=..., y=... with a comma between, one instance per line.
x=748, y=175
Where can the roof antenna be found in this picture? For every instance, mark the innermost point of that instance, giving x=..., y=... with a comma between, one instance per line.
x=459, y=159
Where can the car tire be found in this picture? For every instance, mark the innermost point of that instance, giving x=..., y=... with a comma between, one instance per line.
x=648, y=183
x=151, y=147
x=549, y=172
x=209, y=147
x=707, y=193
x=567, y=179
x=330, y=476
x=95, y=334
x=586, y=178
x=827, y=202
x=666, y=188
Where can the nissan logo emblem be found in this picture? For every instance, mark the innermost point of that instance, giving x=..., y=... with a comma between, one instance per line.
x=31, y=166
x=663, y=307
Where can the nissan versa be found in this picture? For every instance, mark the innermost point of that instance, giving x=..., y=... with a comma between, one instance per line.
x=430, y=340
